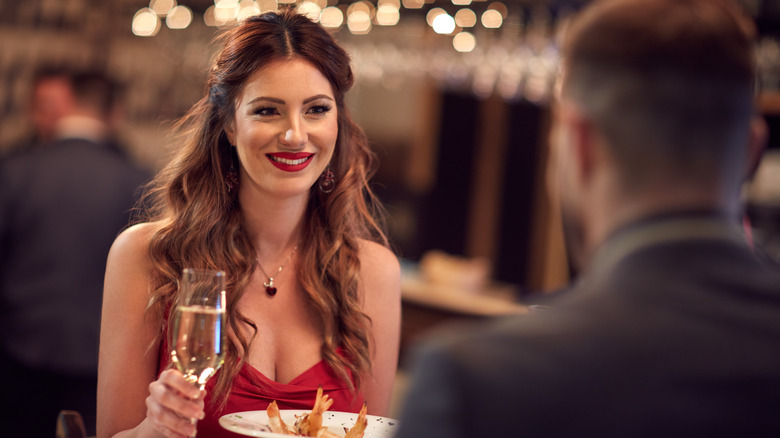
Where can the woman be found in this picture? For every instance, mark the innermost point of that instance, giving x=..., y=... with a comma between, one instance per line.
x=271, y=187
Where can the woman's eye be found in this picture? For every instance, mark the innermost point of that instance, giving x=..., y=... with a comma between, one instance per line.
x=319, y=109
x=266, y=111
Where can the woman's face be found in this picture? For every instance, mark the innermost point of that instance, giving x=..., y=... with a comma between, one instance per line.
x=284, y=128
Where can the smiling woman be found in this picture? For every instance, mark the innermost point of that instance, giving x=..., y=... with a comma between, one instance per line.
x=271, y=177
x=284, y=136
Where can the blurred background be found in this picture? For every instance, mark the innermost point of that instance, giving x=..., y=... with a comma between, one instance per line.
x=454, y=95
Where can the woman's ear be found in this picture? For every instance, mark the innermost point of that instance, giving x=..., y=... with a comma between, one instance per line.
x=230, y=132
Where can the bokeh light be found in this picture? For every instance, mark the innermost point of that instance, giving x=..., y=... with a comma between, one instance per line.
x=359, y=22
x=246, y=9
x=432, y=14
x=331, y=17
x=443, y=24
x=492, y=19
x=145, y=23
x=225, y=11
x=465, y=18
x=500, y=7
x=387, y=15
x=310, y=9
x=267, y=5
x=362, y=6
x=464, y=42
x=179, y=17
x=162, y=7
x=413, y=4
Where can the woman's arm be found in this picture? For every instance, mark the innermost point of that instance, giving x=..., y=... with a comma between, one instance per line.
x=130, y=398
x=380, y=279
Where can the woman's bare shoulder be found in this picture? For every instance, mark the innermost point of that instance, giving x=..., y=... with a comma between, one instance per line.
x=375, y=253
x=129, y=255
x=377, y=262
x=133, y=242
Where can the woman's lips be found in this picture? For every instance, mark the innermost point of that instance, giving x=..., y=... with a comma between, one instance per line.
x=290, y=161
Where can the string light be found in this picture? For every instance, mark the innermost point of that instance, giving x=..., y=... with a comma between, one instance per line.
x=492, y=19
x=331, y=17
x=310, y=9
x=506, y=66
x=179, y=17
x=465, y=18
x=267, y=5
x=432, y=14
x=359, y=22
x=464, y=42
x=162, y=7
x=387, y=15
x=145, y=23
x=443, y=24
x=413, y=4
x=362, y=6
x=226, y=11
x=246, y=9
x=500, y=7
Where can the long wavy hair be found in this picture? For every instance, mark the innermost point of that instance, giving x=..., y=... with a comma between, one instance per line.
x=202, y=224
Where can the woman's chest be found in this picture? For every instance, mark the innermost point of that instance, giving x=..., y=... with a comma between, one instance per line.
x=288, y=336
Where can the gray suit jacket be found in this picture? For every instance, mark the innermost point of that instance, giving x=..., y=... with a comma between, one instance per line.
x=674, y=331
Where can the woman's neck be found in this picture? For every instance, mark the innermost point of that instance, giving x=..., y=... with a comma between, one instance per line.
x=273, y=223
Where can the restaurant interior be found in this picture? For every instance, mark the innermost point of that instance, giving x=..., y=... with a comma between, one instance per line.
x=454, y=95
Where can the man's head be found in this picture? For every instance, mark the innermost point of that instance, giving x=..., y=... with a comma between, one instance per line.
x=95, y=94
x=662, y=92
x=60, y=93
x=51, y=98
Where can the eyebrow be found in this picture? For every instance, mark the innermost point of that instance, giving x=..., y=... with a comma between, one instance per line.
x=282, y=102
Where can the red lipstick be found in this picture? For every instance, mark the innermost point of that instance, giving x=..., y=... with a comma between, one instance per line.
x=290, y=161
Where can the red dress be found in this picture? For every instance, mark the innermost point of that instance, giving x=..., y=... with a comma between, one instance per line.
x=253, y=391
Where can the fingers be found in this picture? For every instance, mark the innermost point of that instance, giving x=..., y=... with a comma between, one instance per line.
x=174, y=405
x=176, y=380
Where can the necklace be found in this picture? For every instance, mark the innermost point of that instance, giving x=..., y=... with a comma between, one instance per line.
x=270, y=289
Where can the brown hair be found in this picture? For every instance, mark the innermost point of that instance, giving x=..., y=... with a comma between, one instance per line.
x=669, y=83
x=202, y=223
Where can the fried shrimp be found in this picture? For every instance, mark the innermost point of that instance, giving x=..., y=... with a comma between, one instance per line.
x=311, y=424
x=359, y=428
x=275, y=421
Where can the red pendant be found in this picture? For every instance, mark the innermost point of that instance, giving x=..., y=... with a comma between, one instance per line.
x=271, y=291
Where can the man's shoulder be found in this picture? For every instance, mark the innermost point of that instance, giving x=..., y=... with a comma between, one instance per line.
x=529, y=342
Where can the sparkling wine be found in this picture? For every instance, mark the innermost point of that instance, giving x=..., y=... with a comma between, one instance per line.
x=199, y=341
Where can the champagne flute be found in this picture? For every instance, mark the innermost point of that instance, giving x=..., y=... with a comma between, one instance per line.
x=198, y=335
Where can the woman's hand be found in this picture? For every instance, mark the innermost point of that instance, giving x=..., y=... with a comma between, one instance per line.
x=174, y=405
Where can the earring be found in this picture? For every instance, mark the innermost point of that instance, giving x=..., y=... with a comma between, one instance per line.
x=327, y=180
x=231, y=178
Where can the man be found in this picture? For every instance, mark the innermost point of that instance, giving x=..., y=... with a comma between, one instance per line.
x=62, y=203
x=50, y=99
x=673, y=329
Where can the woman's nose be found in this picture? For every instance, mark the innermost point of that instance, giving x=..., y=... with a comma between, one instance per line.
x=295, y=134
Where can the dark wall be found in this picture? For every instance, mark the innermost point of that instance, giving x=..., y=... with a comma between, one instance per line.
x=444, y=211
x=525, y=123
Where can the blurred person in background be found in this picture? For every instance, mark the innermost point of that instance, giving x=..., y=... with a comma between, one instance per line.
x=50, y=99
x=674, y=325
x=63, y=200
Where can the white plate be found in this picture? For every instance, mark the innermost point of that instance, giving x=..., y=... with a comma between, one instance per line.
x=255, y=423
